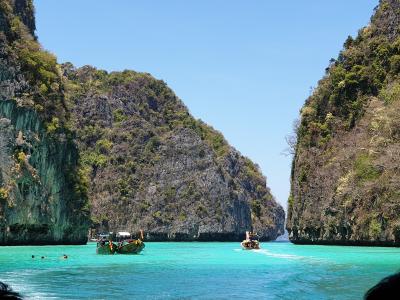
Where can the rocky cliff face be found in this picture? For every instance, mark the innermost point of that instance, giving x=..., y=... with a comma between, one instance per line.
x=25, y=11
x=146, y=163
x=42, y=199
x=154, y=167
x=345, y=175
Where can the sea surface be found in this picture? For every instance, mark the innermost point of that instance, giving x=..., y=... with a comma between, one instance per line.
x=280, y=270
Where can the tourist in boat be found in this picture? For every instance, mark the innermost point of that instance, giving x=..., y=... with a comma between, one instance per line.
x=251, y=241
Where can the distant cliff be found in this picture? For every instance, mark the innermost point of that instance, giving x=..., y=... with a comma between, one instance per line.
x=154, y=167
x=42, y=199
x=345, y=176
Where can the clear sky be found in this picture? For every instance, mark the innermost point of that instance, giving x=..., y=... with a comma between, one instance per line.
x=244, y=67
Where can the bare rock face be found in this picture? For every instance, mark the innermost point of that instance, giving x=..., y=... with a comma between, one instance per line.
x=41, y=196
x=154, y=167
x=345, y=175
x=37, y=203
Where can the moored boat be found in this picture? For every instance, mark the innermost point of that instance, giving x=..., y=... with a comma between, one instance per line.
x=131, y=247
x=251, y=242
x=128, y=245
x=105, y=245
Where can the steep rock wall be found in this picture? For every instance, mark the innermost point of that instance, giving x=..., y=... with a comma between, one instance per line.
x=42, y=196
x=345, y=175
x=154, y=167
x=36, y=199
x=145, y=161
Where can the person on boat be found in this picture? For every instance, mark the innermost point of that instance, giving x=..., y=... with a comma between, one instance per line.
x=253, y=236
x=102, y=241
x=120, y=244
x=110, y=243
x=65, y=256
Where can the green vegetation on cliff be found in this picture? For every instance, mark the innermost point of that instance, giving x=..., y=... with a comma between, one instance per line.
x=123, y=139
x=43, y=198
x=345, y=169
x=39, y=67
x=153, y=166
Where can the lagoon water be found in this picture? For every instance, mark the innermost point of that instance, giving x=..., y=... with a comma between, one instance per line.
x=198, y=271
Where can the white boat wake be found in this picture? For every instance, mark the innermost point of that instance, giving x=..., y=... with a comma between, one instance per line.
x=282, y=255
x=279, y=255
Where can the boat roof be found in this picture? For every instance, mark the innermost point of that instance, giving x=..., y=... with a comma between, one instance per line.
x=124, y=233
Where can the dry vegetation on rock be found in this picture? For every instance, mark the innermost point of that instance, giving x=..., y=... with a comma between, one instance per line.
x=345, y=177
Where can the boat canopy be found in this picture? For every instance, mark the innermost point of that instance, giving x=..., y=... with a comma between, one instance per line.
x=123, y=233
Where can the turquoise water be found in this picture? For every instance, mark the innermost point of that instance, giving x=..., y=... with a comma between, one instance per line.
x=198, y=270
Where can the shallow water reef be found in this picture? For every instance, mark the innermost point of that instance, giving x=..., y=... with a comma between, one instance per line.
x=345, y=184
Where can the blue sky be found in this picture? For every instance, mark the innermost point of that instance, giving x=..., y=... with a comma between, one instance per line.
x=244, y=67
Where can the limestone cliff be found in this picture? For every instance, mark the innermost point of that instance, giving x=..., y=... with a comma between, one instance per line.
x=42, y=199
x=154, y=167
x=345, y=175
x=145, y=162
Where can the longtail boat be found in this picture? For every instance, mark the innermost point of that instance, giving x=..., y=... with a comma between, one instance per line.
x=127, y=245
x=131, y=247
x=105, y=246
x=251, y=242
x=124, y=243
